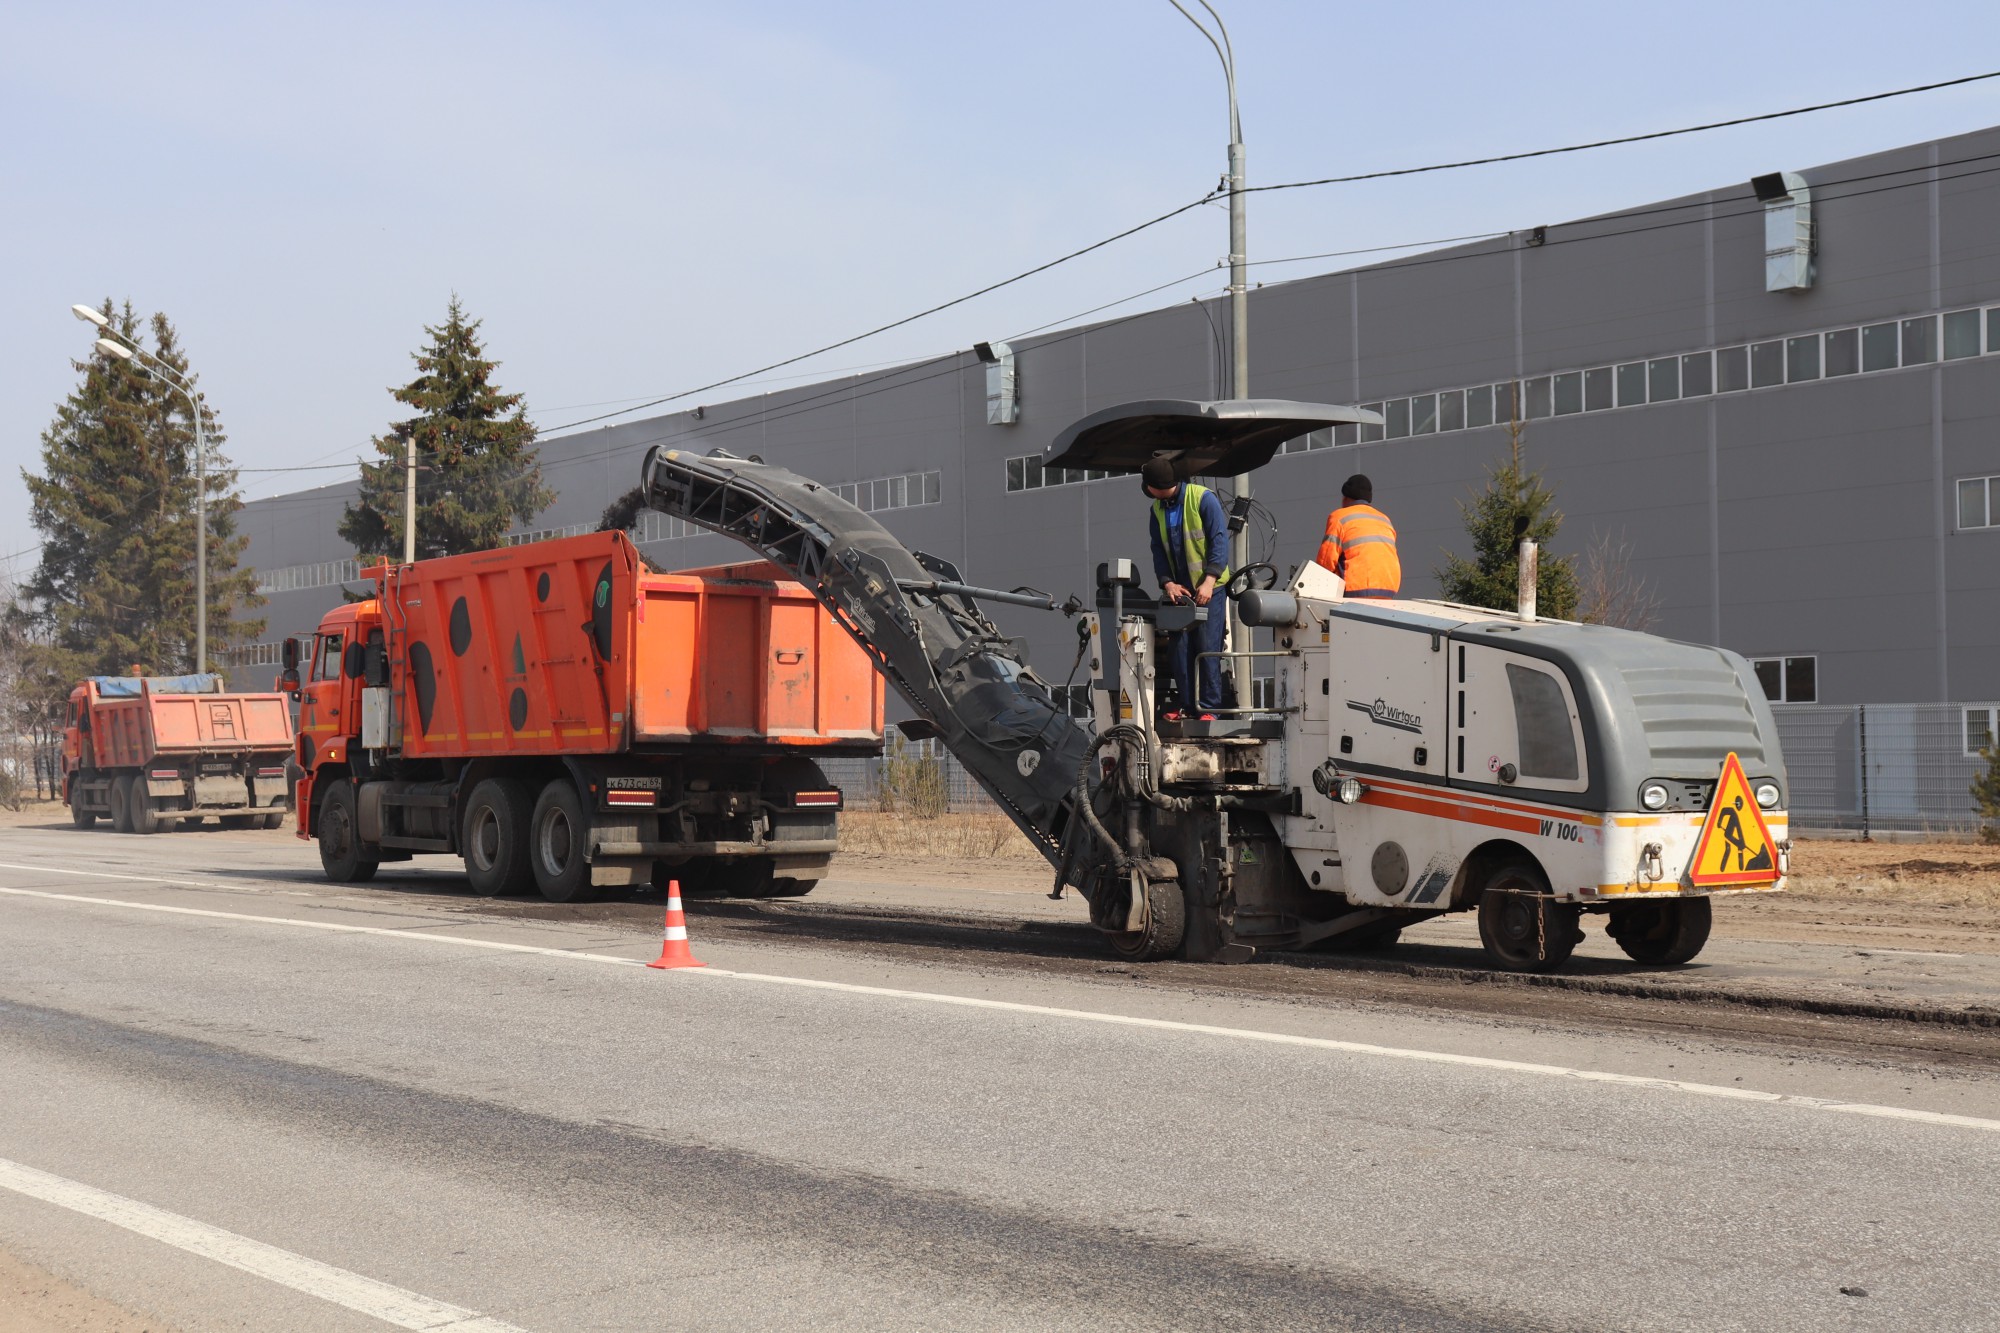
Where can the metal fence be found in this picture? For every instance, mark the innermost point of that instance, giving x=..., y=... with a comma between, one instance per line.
x=1881, y=767
x=862, y=779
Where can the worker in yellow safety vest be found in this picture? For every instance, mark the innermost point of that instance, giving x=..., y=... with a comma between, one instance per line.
x=1360, y=543
x=1189, y=534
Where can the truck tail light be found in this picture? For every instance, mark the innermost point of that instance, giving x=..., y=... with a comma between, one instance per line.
x=624, y=797
x=270, y=772
x=163, y=774
x=818, y=799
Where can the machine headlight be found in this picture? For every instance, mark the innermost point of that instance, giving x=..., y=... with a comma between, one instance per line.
x=1349, y=791
x=1767, y=795
x=1653, y=796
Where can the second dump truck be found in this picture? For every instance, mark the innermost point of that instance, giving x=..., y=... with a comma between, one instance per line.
x=564, y=718
x=156, y=752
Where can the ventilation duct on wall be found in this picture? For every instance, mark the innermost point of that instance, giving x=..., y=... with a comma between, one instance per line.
x=1788, y=230
x=1003, y=391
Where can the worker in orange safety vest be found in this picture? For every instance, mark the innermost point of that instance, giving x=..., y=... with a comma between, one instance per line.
x=1360, y=543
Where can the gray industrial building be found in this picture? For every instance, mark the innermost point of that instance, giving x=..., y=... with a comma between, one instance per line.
x=1783, y=396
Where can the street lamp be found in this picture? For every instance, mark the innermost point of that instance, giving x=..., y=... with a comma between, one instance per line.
x=111, y=346
x=1239, y=311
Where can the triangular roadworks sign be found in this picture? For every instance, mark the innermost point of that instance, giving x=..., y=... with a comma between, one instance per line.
x=1735, y=847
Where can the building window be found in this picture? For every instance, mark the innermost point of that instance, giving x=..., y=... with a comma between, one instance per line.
x=1993, y=329
x=1424, y=414
x=1982, y=725
x=1920, y=340
x=1843, y=352
x=1767, y=364
x=1540, y=399
x=1802, y=359
x=1979, y=502
x=1663, y=380
x=1961, y=334
x=1597, y=389
x=1506, y=403
x=1370, y=434
x=1697, y=375
x=1398, y=417
x=1878, y=347
x=1632, y=384
x=1732, y=369
x=1479, y=406
x=1569, y=393
x=1788, y=680
x=1346, y=433
x=1451, y=410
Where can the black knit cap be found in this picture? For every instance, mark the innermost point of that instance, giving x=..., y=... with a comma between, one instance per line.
x=1158, y=473
x=1358, y=487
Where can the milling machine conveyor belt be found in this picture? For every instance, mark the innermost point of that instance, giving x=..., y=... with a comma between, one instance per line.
x=911, y=613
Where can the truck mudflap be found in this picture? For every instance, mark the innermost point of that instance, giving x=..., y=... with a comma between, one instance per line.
x=970, y=685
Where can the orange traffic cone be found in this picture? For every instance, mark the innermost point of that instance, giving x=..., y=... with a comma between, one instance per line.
x=674, y=950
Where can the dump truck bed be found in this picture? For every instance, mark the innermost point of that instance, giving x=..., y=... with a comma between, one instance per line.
x=573, y=647
x=132, y=730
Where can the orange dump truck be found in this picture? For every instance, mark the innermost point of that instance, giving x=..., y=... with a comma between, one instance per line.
x=153, y=752
x=563, y=718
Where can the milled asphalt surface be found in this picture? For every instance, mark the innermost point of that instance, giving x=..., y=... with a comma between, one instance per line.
x=566, y=1144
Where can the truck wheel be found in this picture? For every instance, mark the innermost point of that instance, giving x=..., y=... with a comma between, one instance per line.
x=236, y=821
x=139, y=809
x=1662, y=932
x=78, y=815
x=1166, y=925
x=275, y=819
x=340, y=850
x=792, y=888
x=496, y=838
x=559, y=835
x=1521, y=924
x=121, y=804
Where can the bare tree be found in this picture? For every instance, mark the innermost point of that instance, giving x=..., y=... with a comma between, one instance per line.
x=1608, y=592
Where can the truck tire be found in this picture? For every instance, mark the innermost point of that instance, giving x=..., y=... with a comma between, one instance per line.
x=1663, y=932
x=121, y=804
x=1521, y=924
x=275, y=819
x=341, y=854
x=78, y=815
x=1166, y=925
x=736, y=877
x=237, y=821
x=139, y=809
x=496, y=838
x=792, y=888
x=558, y=839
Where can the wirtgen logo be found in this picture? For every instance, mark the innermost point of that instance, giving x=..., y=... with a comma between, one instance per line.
x=1388, y=716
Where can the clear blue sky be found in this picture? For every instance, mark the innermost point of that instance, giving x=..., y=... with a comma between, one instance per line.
x=638, y=198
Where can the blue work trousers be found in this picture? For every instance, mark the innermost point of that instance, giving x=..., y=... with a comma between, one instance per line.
x=1204, y=636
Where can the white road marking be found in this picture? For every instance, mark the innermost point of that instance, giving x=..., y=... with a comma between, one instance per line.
x=1094, y=1016
x=1908, y=953
x=378, y=1300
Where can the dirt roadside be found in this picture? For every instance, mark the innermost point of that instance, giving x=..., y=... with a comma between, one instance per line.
x=34, y=1300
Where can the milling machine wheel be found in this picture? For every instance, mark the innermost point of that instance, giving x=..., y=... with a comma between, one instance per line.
x=1662, y=931
x=1166, y=925
x=1521, y=924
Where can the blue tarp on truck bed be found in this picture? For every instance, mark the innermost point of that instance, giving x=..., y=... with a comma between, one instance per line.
x=128, y=687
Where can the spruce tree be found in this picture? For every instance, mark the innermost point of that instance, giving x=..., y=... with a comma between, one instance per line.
x=115, y=505
x=1986, y=793
x=477, y=472
x=1515, y=504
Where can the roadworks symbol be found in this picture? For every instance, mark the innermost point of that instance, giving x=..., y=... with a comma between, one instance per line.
x=1735, y=846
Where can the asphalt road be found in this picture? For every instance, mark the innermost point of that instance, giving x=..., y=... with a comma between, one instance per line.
x=538, y=1134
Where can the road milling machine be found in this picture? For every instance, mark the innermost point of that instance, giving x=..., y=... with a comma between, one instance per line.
x=1417, y=757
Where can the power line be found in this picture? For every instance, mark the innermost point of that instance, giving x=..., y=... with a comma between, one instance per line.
x=1629, y=138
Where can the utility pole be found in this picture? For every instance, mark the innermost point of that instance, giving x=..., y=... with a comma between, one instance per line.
x=1239, y=320
x=410, y=499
